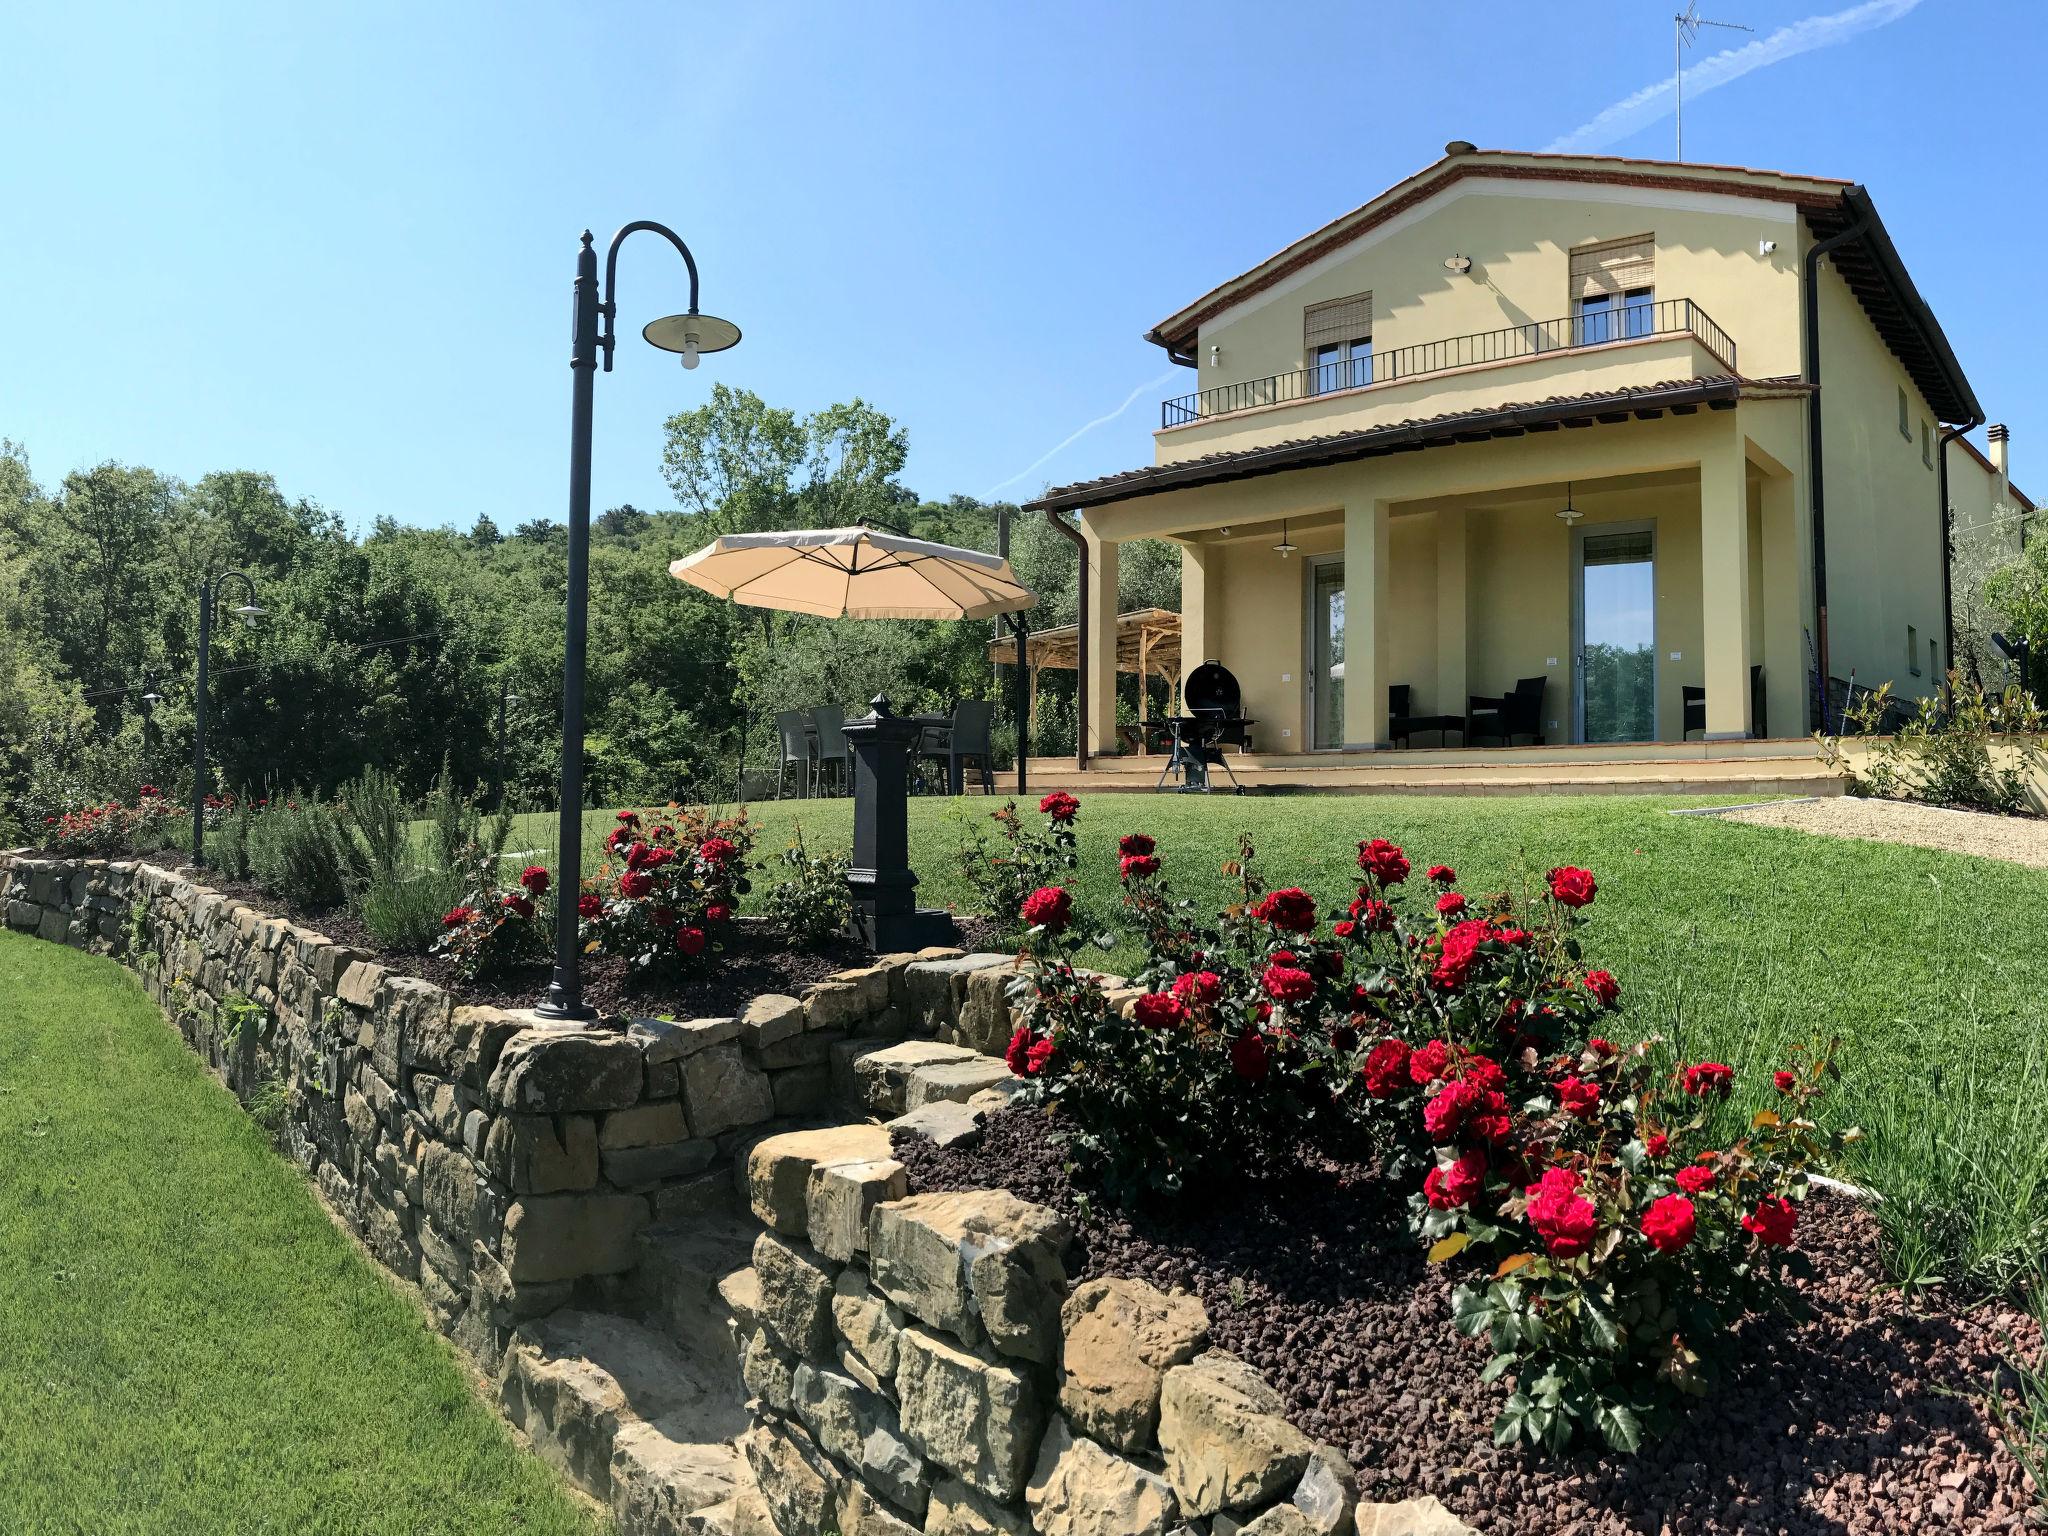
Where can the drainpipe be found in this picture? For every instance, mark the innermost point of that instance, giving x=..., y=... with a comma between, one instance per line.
x=1948, y=602
x=1080, y=637
x=1809, y=303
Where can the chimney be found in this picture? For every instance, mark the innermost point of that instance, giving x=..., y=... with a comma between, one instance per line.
x=2000, y=435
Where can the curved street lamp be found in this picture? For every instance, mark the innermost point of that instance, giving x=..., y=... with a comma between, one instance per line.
x=690, y=334
x=249, y=614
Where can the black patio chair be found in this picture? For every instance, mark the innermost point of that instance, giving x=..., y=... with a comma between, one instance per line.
x=795, y=743
x=964, y=737
x=1519, y=713
x=1693, y=701
x=1401, y=725
x=833, y=752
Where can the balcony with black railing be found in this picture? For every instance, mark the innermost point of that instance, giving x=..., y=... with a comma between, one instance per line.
x=1627, y=322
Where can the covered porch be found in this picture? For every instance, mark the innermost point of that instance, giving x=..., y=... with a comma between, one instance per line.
x=1334, y=577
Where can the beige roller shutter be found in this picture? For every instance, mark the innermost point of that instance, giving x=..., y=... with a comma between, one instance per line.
x=1339, y=320
x=1614, y=266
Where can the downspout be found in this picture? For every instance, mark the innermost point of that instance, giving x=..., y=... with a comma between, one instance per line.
x=1080, y=636
x=1948, y=601
x=1809, y=303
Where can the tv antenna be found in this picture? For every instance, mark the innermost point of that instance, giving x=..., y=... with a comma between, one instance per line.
x=1687, y=24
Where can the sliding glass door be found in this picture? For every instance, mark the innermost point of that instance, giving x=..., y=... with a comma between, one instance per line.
x=1615, y=644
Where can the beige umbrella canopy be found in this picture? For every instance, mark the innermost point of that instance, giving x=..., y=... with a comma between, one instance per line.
x=855, y=573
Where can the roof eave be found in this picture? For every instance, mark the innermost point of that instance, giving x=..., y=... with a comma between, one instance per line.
x=1919, y=314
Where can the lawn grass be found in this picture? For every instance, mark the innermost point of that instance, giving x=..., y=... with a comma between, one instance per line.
x=187, y=1343
x=1733, y=941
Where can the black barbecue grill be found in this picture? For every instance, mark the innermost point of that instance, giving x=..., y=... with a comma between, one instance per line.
x=1213, y=718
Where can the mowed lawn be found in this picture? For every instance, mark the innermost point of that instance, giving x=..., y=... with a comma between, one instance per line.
x=1733, y=941
x=187, y=1344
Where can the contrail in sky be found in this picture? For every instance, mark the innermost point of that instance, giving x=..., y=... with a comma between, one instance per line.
x=1074, y=437
x=1654, y=101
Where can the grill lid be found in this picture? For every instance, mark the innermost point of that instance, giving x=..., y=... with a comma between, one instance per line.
x=1211, y=689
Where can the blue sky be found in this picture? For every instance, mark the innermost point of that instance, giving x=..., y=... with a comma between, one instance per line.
x=335, y=242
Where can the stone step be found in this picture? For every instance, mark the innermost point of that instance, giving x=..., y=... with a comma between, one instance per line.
x=628, y=1418
x=685, y=1268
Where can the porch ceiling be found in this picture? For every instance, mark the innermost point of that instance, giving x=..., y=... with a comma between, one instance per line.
x=1644, y=402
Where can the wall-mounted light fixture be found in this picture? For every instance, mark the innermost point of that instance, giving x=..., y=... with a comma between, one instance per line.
x=1215, y=355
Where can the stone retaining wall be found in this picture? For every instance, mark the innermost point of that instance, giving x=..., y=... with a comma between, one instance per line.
x=504, y=1164
x=920, y=1363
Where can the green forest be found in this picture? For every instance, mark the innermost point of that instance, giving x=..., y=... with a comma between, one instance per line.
x=393, y=649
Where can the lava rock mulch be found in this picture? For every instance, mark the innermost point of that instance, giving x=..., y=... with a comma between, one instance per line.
x=1868, y=1419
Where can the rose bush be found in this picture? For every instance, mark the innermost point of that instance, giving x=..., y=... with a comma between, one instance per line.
x=1019, y=859
x=114, y=827
x=493, y=930
x=670, y=883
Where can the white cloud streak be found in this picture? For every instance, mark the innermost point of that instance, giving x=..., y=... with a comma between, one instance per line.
x=1655, y=101
x=1075, y=436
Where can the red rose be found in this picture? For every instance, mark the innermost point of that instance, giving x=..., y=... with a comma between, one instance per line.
x=628, y=818
x=1286, y=984
x=1158, y=1010
x=1248, y=1056
x=1445, y=1114
x=1344, y=928
x=1709, y=1077
x=1669, y=1223
x=1383, y=861
x=1656, y=1144
x=457, y=916
x=1483, y=1070
x=523, y=905
x=1572, y=887
x=1562, y=1217
x=1038, y=1057
x=589, y=905
x=717, y=912
x=1020, y=1043
x=1427, y=1063
x=1784, y=1082
x=1049, y=907
x=1291, y=911
x=618, y=836
x=1578, y=1098
x=1450, y=904
x=1604, y=987
x=1137, y=866
x=634, y=884
x=1693, y=1178
x=1198, y=989
x=637, y=855
x=1386, y=1068
x=690, y=940
x=1772, y=1221
x=1135, y=843
x=1450, y=1185
x=1599, y=1047
x=1443, y=874
x=1060, y=806
x=713, y=850
x=534, y=878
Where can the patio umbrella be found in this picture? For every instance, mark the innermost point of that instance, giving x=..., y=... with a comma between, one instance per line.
x=855, y=573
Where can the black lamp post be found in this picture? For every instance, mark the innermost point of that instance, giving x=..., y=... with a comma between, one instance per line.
x=690, y=334
x=248, y=613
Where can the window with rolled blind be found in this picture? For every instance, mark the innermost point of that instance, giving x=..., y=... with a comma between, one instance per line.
x=1337, y=322
x=1613, y=267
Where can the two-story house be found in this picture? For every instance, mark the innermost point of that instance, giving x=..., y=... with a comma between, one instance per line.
x=1651, y=440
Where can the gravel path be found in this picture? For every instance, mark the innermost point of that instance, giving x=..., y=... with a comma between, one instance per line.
x=2018, y=839
x=1868, y=1419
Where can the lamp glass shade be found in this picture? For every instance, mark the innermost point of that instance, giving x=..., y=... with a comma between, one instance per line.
x=691, y=333
x=249, y=613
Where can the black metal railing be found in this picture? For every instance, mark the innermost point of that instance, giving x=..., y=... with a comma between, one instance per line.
x=1591, y=328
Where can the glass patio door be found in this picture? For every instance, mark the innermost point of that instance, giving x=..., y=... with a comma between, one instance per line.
x=1615, y=650
x=1326, y=652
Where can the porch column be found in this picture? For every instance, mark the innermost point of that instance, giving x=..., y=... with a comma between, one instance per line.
x=1451, y=633
x=1784, y=642
x=1367, y=609
x=1724, y=587
x=1100, y=618
x=1201, y=608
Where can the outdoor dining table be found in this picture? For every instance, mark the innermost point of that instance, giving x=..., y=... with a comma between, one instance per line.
x=955, y=777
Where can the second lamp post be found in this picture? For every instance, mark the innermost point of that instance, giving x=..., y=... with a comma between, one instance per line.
x=690, y=334
x=248, y=613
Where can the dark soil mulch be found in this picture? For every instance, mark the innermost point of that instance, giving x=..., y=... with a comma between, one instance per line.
x=1867, y=1420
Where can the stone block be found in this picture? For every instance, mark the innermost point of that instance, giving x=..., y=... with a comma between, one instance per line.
x=801, y=1090
x=1280, y=1520
x=643, y=1168
x=464, y=1046
x=796, y=1295
x=779, y=1169
x=975, y=1263
x=834, y=1005
x=1079, y=1489
x=768, y=1371
x=1327, y=1495
x=868, y=1323
x=540, y=1154
x=811, y=1050
x=359, y=983
x=1120, y=1339
x=873, y=982
x=934, y=989
x=1423, y=1516
x=722, y=1092
x=983, y=1023
x=659, y=1482
x=668, y=1040
x=643, y=1125
x=942, y=1124
x=449, y=1188
x=1225, y=1441
x=975, y=1417
x=796, y=1481
x=954, y=1082
x=841, y=1200
x=861, y=1513
x=859, y=1427
x=556, y=1070
x=405, y=1007
x=882, y=1075
x=563, y=1237
x=958, y=1510
x=770, y=1019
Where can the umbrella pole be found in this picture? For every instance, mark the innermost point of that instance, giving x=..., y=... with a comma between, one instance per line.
x=1024, y=700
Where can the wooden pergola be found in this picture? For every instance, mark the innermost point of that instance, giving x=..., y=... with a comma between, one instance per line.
x=1147, y=643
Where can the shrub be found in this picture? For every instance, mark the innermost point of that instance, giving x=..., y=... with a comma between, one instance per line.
x=1976, y=752
x=405, y=910
x=672, y=880
x=114, y=827
x=812, y=903
x=376, y=812
x=493, y=930
x=1019, y=860
x=303, y=850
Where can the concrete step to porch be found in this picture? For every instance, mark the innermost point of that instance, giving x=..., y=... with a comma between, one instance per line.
x=630, y=1420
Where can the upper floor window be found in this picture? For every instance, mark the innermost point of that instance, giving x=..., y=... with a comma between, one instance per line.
x=1926, y=443
x=1613, y=289
x=1905, y=416
x=1337, y=339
